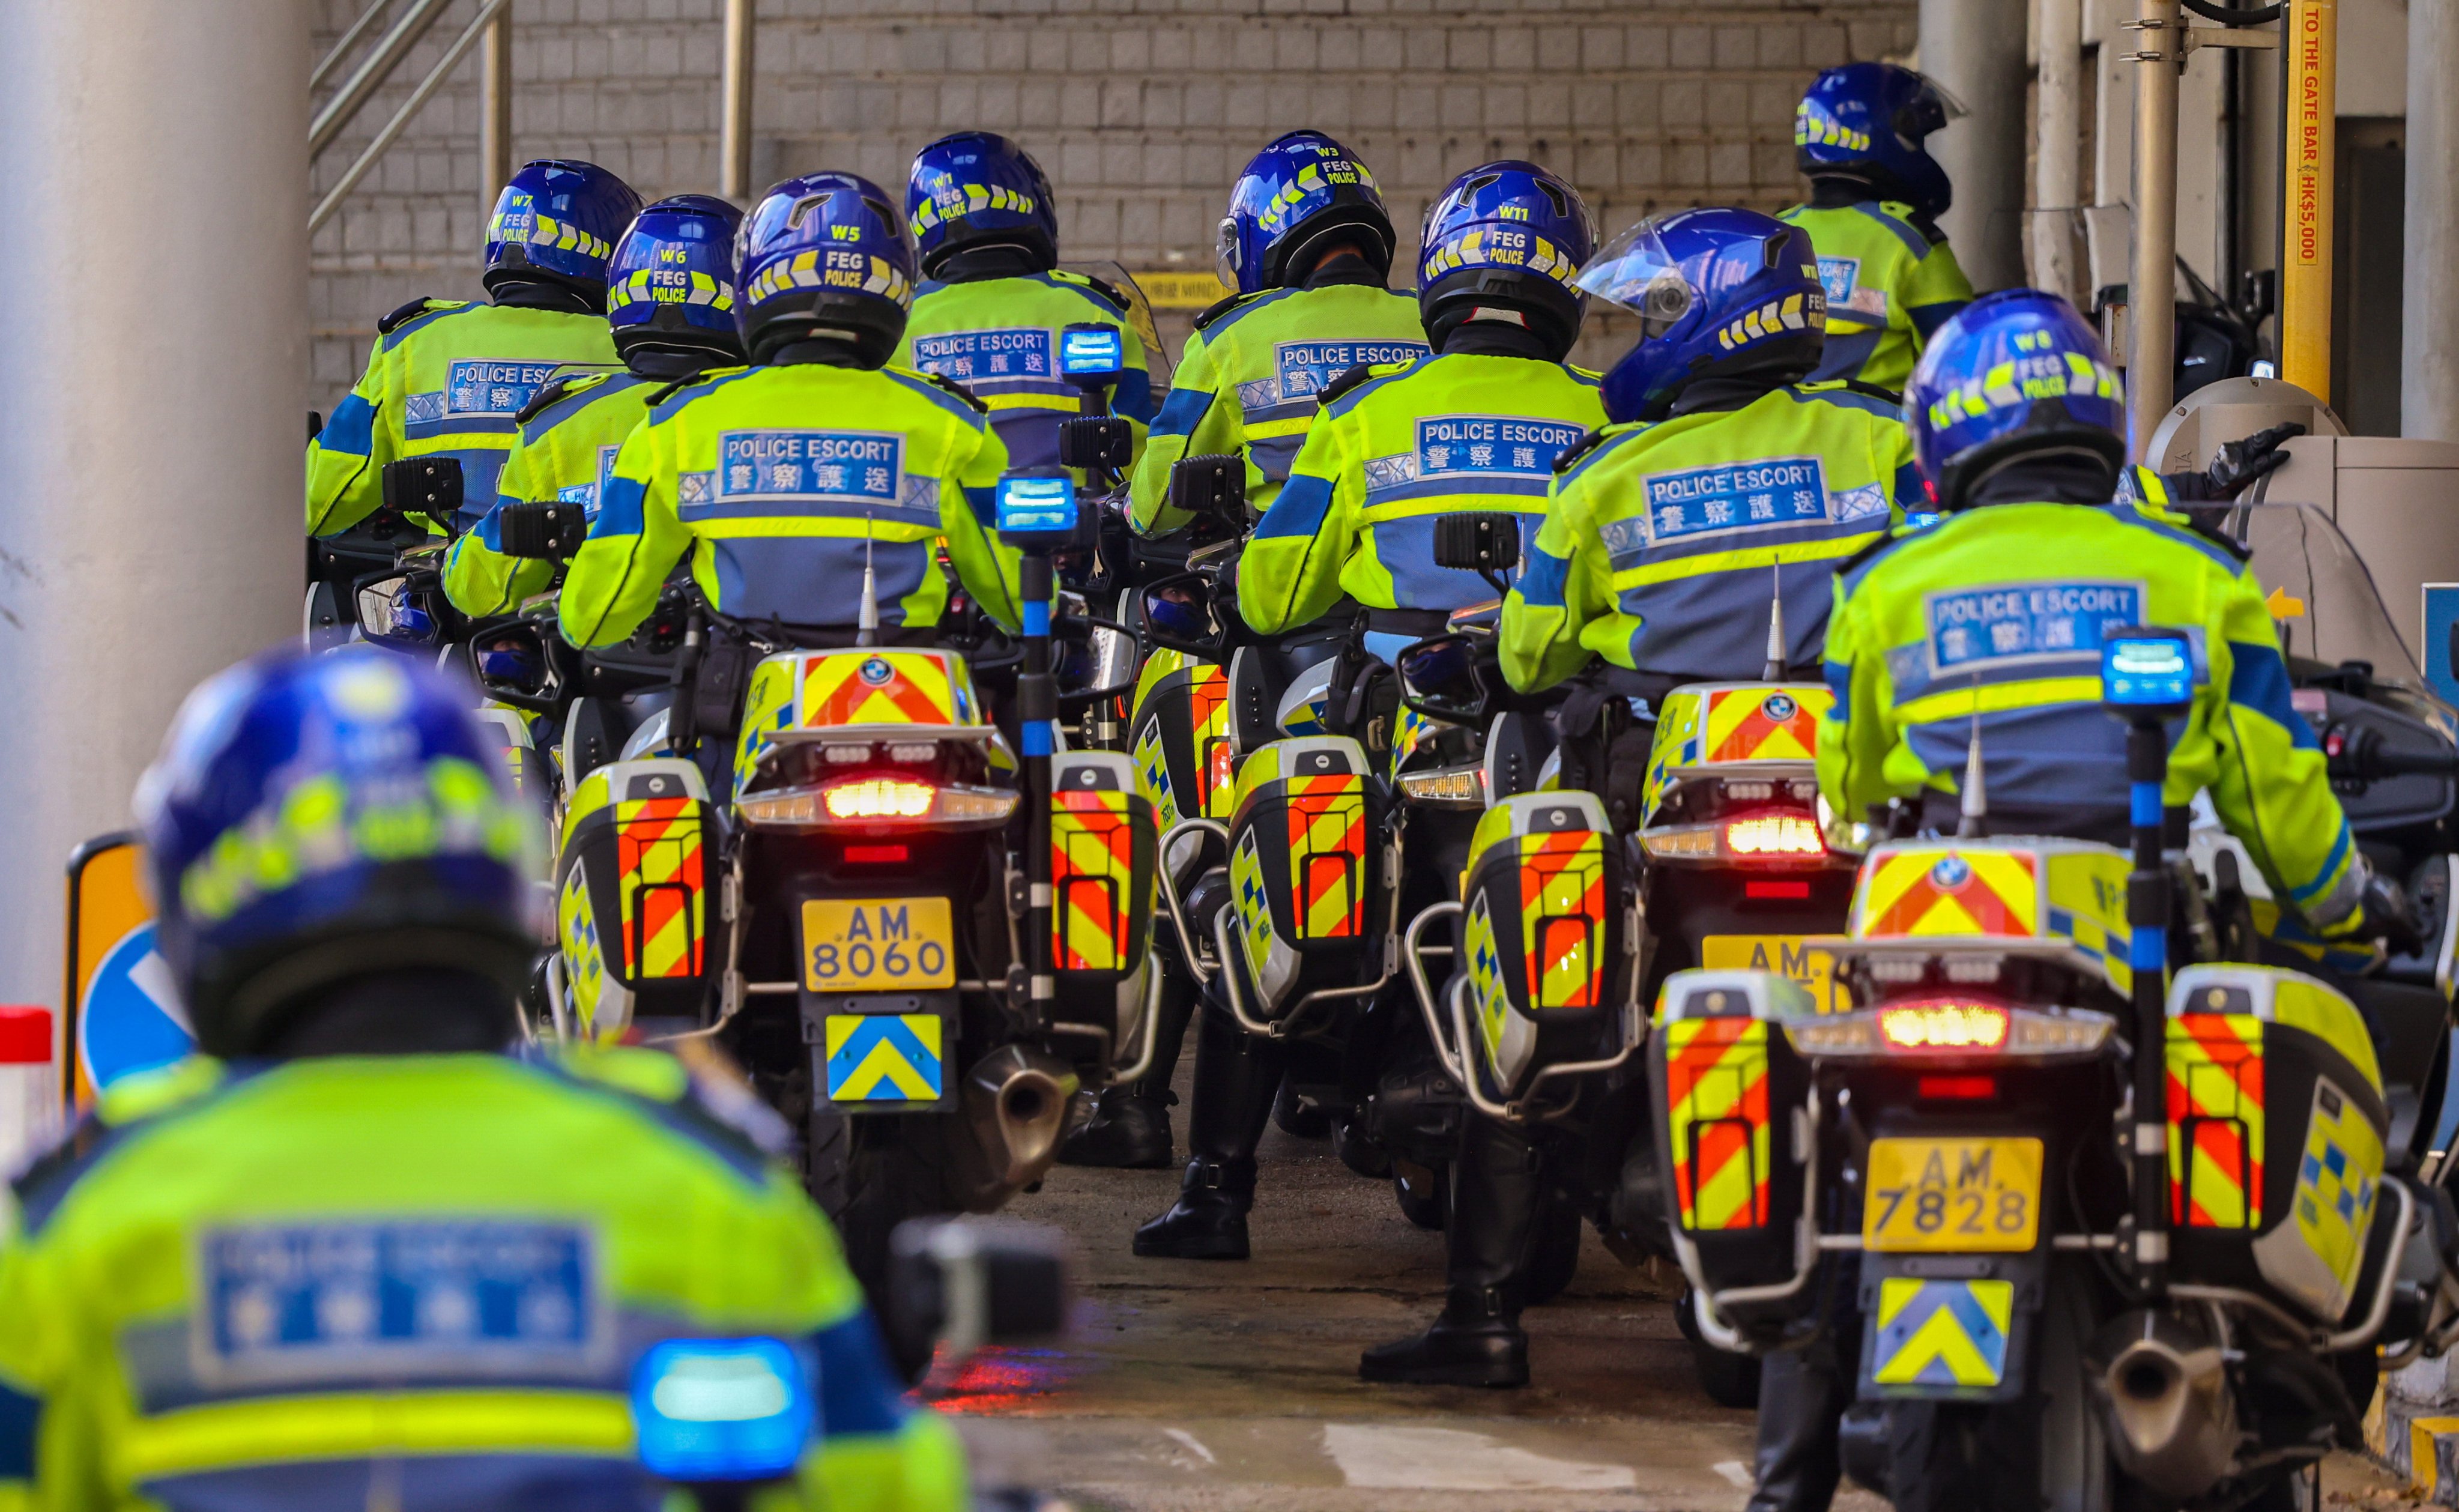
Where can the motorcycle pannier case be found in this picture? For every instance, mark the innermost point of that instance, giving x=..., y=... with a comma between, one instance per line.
x=633, y=883
x=2277, y=1127
x=1308, y=907
x=1101, y=892
x=1181, y=741
x=1541, y=932
x=1729, y=1095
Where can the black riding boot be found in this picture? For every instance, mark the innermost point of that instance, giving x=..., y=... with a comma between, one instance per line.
x=1496, y=1191
x=1802, y=1396
x=1236, y=1075
x=1129, y=1128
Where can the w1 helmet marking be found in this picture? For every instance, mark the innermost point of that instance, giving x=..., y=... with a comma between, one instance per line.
x=331, y=815
x=1868, y=121
x=1507, y=234
x=825, y=252
x=1297, y=191
x=673, y=273
x=557, y=220
x=2016, y=371
x=975, y=188
x=1714, y=290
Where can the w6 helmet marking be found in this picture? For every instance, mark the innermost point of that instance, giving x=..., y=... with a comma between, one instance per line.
x=673, y=273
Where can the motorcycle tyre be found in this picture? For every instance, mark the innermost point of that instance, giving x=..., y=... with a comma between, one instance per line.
x=1429, y=1211
x=867, y=1185
x=1729, y=1381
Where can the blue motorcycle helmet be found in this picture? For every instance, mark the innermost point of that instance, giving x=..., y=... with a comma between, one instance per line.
x=557, y=223
x=1719, y=293
x=2015, y=376
x=976, y=189
x=1865, y=121
x=314, y=818
x=1505, y=241
x=671, y=281
x=824, y=257
x=1299, y=194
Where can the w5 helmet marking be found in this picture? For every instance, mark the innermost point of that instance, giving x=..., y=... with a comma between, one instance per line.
x=557, y=220
x=1714, y=288
x=2016, y=371
x=973, y=188
x=827, y=251
x=1868, y=121
x=673, y=273
x=1506, y=233
x=1295, y=191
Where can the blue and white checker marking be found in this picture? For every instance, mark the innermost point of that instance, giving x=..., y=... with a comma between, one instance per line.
x=2017, y=623
x=132, y=1020
x=860, y=467
x=970, y=356
x=302, y=1301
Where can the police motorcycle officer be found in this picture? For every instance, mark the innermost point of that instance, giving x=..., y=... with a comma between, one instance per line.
x=357, y=1252
x=1308, y=246
x=447, y=377
x=994, y=301
x=1876, y=196
x=2024, y=473
x=1724, y=478
x=670, y=305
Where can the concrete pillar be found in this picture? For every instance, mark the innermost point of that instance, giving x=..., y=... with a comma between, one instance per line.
x=2429, y=352
x=1975, y=47
x=154, y=161
x=2057, y=188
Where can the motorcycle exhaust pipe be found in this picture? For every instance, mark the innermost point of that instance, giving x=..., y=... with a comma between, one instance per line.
x=2164, y=1394
x=1014, y=1103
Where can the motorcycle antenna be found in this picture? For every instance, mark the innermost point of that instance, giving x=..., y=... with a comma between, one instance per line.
x=1975, y=823
x=1774, y=671
x=866, y=632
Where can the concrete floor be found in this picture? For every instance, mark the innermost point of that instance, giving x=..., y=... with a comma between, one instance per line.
x=1214, y=1387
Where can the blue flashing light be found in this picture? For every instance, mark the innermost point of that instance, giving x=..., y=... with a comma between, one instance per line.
x=2146, y=670
x=1091, y=352
x=1037, y=504
x=722, y=1410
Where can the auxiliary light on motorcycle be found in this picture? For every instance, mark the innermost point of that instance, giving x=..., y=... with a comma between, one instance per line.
x=1456, y=786
x=722, y=1410
x=1950, y=1028
x=1945, y=1025
x=878, y=798
x=871, y=799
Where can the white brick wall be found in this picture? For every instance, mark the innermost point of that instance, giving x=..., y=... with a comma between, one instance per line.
x=1140, y=109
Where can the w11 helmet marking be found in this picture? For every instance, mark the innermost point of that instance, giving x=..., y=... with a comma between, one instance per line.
x=1714, y=290
x=825, y=252
x=1507, y=234
x=2014, y=372
x=673, y=274
x=1295, y=192
x=315, y=817
x=973, y=188
x=557, y=220
x=1867, y=120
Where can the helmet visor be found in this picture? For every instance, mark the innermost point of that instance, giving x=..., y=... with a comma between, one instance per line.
x=1224, y=251
x=1926, y=112
x=1634, y=272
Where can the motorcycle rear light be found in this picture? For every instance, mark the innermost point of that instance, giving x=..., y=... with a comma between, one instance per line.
x=1943, y=1024
x=876, y=854
x=879, y=798
x=1461, y=785
x=798, y=806
x=1779, y=833
x=1776, y=889
x=1683, y=842
x=1956, y=1088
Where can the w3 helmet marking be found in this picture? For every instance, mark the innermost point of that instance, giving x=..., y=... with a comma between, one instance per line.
x=1295, y=194
x=558, y=220
x=976, y=189
x=825, y=253
x=672, y=275
x=1714, y=290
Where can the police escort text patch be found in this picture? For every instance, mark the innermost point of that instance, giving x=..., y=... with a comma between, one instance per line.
x=587, y=495
x=976, y=356
x=1303, y=369
x=478, y=386
x=861, y=466
x=300, y=1301
x=1841, y=278
x=1773, y=492
x=2018, y=621
x=1470, y=445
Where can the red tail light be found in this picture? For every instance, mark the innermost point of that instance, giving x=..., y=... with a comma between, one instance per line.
x=1944, y=1023
x=1956, y=1088
x=875, y=854
x=1776, y=889
x=1773, y=834
x=879, y=798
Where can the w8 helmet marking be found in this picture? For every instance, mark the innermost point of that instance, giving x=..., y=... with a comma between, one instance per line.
x=2013, y=371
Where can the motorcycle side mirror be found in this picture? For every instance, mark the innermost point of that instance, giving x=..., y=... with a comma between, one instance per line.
x=541, y=531
x=1210, y=487
x=514, y=666
x=960, y=1284
x=393, y=611
x=428, y=486
x=1439, y=678
x=1096, y=442
x=1183, y=611
x=1485, y=542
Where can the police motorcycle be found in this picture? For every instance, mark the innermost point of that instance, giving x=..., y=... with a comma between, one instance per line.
x=852, y=903
x=2065, y=1296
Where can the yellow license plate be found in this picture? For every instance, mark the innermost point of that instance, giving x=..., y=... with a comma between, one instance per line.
x=1956, y=1194
x=877, y=944
x=1792, y=955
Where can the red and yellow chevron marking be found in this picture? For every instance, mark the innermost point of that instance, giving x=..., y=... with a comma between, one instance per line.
x=876, y=688
x=1950, y=892
x=1563, y=917
x=1092, y=870
x=1328, y=854
x=2215, y=1121
x=1743, y=723
x=1208, y=705
x=658, y=851
x=1716, y=1108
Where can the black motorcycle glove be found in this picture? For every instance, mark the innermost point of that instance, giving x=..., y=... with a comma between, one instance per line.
x=2236, y=468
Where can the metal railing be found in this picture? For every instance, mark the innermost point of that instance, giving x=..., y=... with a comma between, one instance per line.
x=490, y=14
